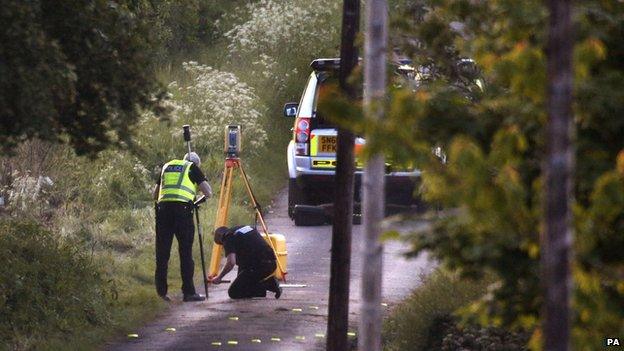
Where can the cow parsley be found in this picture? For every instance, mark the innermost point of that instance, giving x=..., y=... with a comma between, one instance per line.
x=215, y=99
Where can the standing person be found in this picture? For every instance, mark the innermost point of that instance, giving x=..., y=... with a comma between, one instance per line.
x=245, y=247
x=175, y=192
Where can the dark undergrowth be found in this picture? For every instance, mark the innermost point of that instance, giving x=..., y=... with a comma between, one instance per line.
x=426, y=320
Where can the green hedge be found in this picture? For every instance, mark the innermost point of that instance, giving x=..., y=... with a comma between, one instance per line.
x=47, y=288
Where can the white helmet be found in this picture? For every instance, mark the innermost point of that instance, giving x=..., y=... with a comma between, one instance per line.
x=193, y=157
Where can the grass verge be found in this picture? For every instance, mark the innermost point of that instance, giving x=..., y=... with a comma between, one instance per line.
x=426, y=320
x=412, y=324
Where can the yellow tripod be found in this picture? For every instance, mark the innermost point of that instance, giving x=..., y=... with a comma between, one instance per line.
x=225, y=197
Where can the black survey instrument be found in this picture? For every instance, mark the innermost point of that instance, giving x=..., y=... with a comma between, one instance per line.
x=187, y=138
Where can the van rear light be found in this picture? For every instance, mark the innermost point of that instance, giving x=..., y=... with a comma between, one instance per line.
x=301, y=149
x=303, y=124
x=302, y=136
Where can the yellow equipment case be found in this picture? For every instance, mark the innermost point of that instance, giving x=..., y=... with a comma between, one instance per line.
x=279, y=243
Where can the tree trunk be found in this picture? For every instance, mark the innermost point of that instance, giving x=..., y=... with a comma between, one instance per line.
x=557, y=241
x=373, y=206
x=338, y=314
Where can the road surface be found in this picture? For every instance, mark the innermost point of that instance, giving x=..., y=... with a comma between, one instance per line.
x=297, y=321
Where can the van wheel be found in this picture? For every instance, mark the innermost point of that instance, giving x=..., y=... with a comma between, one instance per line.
x=295, y=197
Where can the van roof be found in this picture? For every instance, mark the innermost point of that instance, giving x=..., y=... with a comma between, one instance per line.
x=333, y=64
x=326, y=64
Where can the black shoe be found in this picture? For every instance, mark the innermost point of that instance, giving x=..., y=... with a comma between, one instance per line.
x=271, y=284
x=165, y=298
x=194, y=298
x=260, y=294
x=278, y=293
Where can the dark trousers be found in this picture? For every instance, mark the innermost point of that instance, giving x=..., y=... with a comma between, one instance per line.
x=174, y=218
x=251, y=281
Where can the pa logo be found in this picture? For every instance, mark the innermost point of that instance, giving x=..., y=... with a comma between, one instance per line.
x=612, y=342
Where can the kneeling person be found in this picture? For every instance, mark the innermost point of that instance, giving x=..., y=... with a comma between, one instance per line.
x=245, y=247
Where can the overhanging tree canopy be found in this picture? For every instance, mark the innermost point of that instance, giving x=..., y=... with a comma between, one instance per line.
x=73, y=71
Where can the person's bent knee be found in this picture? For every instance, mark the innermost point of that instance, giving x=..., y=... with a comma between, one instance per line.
x=234, y=294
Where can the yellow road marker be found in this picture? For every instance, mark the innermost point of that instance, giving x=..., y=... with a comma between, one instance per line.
x=233, y=318
x=314, y=307
x=170, y=329
x=319, y=335
x=232, y=342
x=275, y=339
x=256, y=341
x=216, y=343
x=350, y=333
x=300, y=338
x=297, y=309
x=134, y=336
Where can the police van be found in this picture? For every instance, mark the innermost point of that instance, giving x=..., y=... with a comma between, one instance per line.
x=311, y=152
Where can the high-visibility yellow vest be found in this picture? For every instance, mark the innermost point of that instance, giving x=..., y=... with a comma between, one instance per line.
x=175, y=184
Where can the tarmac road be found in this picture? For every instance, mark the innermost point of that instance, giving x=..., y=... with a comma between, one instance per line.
x=298, y=318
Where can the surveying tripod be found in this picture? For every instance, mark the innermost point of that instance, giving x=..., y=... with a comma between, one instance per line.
x=232, y=162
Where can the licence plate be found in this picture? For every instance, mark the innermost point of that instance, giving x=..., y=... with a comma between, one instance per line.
x=331, y=163
x=324, y=163
x=327, y=144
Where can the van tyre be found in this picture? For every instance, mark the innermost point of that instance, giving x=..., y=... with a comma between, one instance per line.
x=295, y=197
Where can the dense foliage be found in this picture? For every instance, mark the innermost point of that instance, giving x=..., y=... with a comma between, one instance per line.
x=280, y=39
x=37, y=299
x=74, y=71
x=491, y=184
x=184, y=28
x=454, y=337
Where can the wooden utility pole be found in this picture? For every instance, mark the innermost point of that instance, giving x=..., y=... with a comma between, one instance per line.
x=338, y=319
x=559, y=166
x=373, y=206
